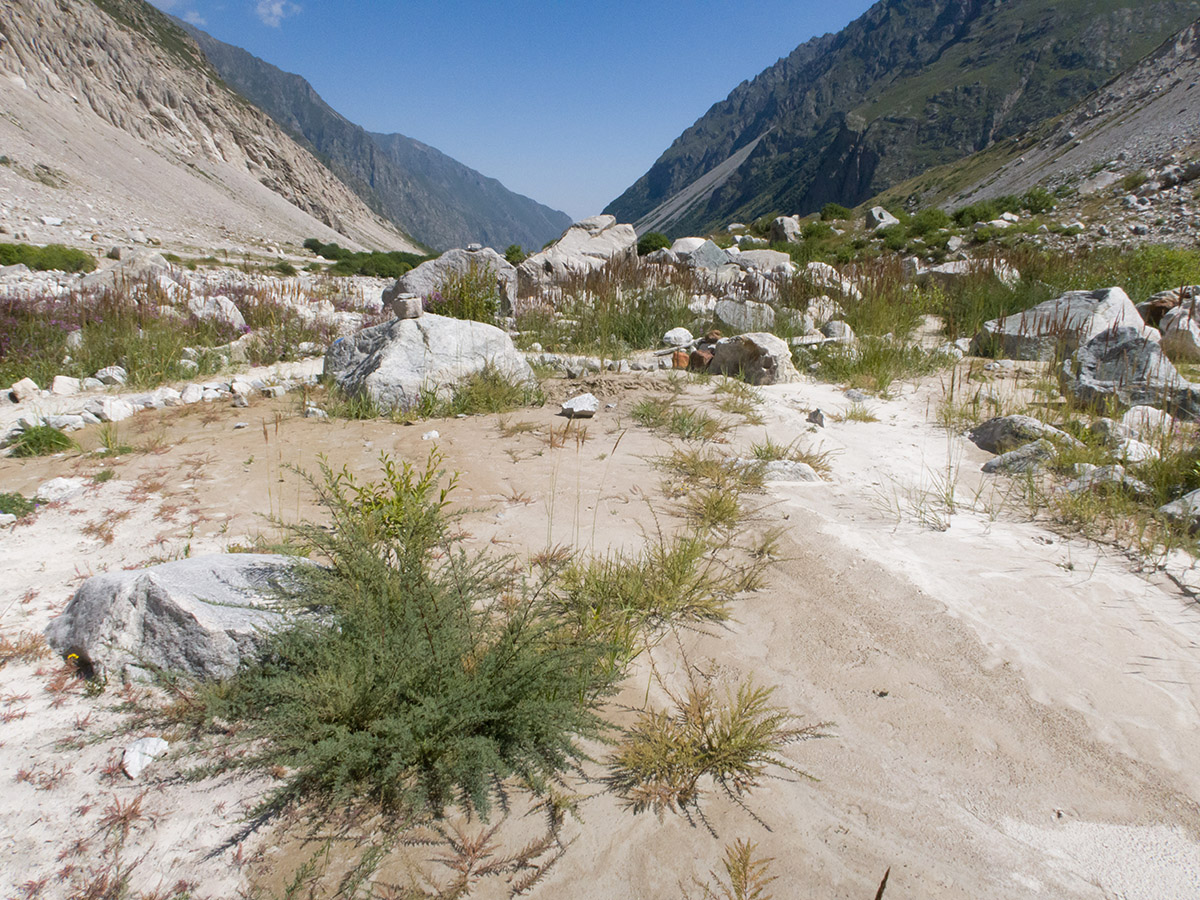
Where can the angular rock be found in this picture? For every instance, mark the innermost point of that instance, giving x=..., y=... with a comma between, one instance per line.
x=201, y=617
x=662, y=256
x=1181, y=334
x=141, y=753
x=708, y=256
x=1144, y=422
x=745, y=315
x=956, y=270
x=111, y=409
x=1124, y=366
x=65, y=386
x=1028, y=458
x=759, y=357
x=192, y=393
x=1004, y=433
x=112, y=375
x=678, y=337
x=583, y=406
x=1153, y=310
x=1107, y=478
x=838, y=332
x=1184, y=511
x=585, y=246
x=785, y=230
x=25, y=389
x=431, y=276
x=827, y=277
x=878, y=217
x=1060, y=325
x=398, y=361
x=685, y=246
x=60, y=489
x=823, y=309
x=770, y=261
x=217, y=309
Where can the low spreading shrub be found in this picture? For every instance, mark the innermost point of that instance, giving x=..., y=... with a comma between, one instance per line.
x=49, y=257
x=40, y=440
x=651, y=241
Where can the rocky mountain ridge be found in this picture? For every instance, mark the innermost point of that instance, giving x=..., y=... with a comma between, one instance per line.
x=437, y=199
x=124, y=127
x=905, y=87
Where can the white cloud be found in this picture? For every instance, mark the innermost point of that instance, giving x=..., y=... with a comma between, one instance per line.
x=273, y=12
x=194, y=17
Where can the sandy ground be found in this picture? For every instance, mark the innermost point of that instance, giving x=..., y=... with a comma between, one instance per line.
x=1014, y=714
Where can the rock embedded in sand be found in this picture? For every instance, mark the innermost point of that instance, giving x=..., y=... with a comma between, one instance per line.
x=60, y=489
x=1123, y=365
x=141, y=753
x=1004, y=433
x=1028, y=458
x=759, y=357
x=583, y=406
x=200, y=617
x=395, y=363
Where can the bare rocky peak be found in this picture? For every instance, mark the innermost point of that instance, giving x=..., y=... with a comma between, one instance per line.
x=121, y=64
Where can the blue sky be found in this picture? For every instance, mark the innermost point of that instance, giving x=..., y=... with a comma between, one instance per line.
x=566, y=102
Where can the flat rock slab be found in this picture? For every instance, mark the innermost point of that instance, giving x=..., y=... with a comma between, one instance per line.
x=200, y=617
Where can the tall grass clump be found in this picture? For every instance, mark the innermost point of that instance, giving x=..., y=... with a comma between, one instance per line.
x=422, y=675
x=470, y=294
x=40, y=440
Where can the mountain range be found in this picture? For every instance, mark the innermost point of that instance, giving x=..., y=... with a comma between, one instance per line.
x=436, y=199
x=909, y=85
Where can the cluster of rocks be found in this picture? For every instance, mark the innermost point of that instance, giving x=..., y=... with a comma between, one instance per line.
x=119, y=407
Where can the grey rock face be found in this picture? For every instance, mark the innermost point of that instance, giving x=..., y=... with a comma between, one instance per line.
x=1124, y=366
x=785, y=230
x=583, y=406
x=1109, y=478
x=708, y=256
x=394, y=363
x=1028, y=458
x=1061, y=324
x=432, y=275
x=585, y=246
x=201, y=617
x=772, y=261
x=1184, y=511
x=878, y=217
x=1004, y=433
x=759, y=357
x=745, y=315
x=1181, y=334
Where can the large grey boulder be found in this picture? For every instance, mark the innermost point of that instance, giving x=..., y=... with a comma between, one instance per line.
x=583, y=247
x=1028, y=458
x=395, y=363
x=1059, y=325
x=201, y=617
x=1181, y=334
x=759, y=357
x=785, y=230
x=431, y=275
x=956, y=270
x=141, y=265
x=1124, y=366
x=1004, y=433
x=774, y=262
x=745, y=315
x=708, y=256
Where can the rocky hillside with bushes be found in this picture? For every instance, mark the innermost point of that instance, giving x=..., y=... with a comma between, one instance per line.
x=904, y=88
x=437, y=199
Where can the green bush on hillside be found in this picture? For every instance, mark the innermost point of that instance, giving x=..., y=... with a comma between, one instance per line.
x=379, y=264
x=515, y=254
x=835, y=212
x=651, y=241
x=52, y=256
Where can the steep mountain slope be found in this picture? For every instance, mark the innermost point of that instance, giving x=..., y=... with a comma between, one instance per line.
x=1137, y=121
x=909, y=85
x=437, y=199
x=121, y=106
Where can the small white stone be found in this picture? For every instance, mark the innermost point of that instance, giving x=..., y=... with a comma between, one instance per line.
x=430, y=436
x=25, y=389
x=64, y=385
x=141, y=753
x=583, y=406
x=60, y=489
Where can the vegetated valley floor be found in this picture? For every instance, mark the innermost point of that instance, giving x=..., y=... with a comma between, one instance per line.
x=1014, y=713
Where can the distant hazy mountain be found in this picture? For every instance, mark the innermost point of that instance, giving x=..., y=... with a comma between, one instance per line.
x=436, y=199
x=909, y=85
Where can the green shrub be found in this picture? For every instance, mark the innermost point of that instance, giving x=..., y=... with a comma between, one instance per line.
x=49, y=257
x=378, y=264
x=285, y=268
x=815, y=231
x=428, y=675
x=14, y=504
x=895, y=237
x=651, y=241
x=1037, y=200
x=835, y=212
x=473, y=294
x=40, y=440
x=1134, y=180
x=515, y=254
x=928, y=220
